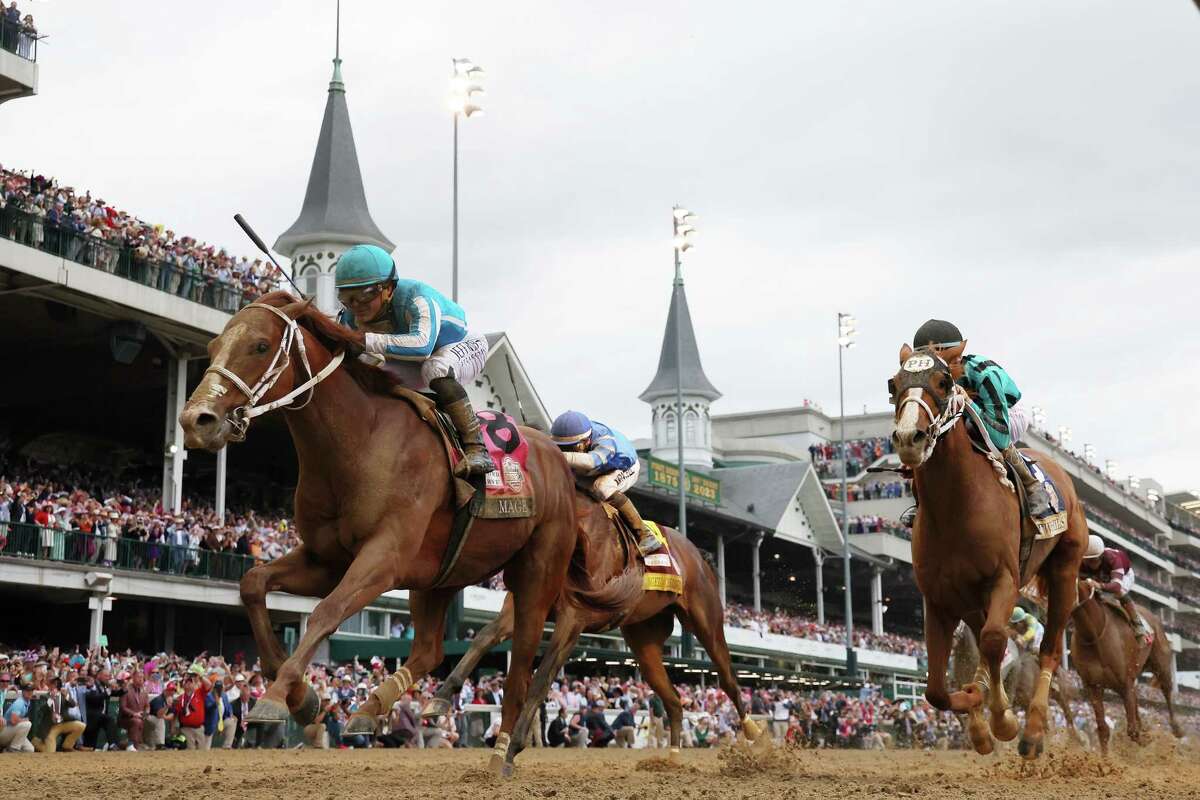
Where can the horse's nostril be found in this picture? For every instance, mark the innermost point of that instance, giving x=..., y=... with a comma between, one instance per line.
x=918, y=437
x=896, y=437
x=206, y=420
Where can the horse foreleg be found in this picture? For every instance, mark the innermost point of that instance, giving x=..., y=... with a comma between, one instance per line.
x=939, y=635
x=428, y=609
x=1061, y=573
x=993, y=643
x=372, y=573
x=1133, y=724
x=294, y=573
x=490, y=635
x=567, y=627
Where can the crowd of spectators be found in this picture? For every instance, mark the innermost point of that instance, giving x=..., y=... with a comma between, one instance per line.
x=40, y=212
x=875, y=524
x=789, y=623
x=70, y=513
x=17, y=34
x=861, y=453
x=876, y=490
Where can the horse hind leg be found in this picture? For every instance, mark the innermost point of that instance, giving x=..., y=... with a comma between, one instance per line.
x=1164, y=674
x=490, y=635
x=646, y=639
x=703, y=615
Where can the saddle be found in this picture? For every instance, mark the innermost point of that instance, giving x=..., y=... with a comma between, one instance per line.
x=1033, y=528
x=660, y=570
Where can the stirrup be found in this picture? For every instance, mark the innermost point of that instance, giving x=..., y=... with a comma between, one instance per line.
x=649, y=543
x=909, y=516
x=477, y=460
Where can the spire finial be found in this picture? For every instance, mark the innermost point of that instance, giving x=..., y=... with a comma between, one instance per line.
x=335, y=83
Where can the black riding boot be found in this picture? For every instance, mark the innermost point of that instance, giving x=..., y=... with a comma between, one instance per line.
x=1035, y=492
x=452, y=399
x=1135, y=618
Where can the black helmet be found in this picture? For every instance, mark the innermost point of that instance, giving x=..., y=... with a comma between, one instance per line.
x=937, y=332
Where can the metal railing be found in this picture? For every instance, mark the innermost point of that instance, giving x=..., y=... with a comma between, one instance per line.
x=18, y=39
x=21, y=540
x=121, y=260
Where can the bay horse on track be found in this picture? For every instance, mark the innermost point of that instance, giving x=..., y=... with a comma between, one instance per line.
x=646, y=621
x=965, y=549
x=373, y=507
x=1108, y=655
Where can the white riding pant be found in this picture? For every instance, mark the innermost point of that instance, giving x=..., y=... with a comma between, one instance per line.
x=619, y=480
x=465, y=359
x=1018, y=421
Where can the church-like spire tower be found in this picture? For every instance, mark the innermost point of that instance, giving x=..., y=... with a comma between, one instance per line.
x=698, y=391
x=334, y=215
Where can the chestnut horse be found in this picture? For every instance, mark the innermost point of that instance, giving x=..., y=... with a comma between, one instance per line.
x=645, y=620
x=1107, y=654
x=373, y=506
x=965, y=550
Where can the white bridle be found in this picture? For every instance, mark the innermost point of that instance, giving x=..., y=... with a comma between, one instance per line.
x=939, y=424
x=242, y=415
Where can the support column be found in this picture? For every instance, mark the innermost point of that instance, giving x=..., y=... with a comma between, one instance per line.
x=757, y=571
x=303, y=624
x=819, y=558
x=98, y=603
x=721, y=566
x=220, y=499
x=877, y=601
x=173, y=452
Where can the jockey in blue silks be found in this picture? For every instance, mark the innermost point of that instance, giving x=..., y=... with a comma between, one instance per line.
x=604, y=455
x=416, y=333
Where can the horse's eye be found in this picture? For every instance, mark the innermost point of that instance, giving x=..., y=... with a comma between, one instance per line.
x=892, y=388
x=261, y=348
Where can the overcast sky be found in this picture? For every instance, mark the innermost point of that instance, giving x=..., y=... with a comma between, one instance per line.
x=1028, y=169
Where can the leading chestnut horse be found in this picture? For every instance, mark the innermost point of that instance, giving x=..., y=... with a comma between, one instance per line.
x=373, y=506
x=965, y=550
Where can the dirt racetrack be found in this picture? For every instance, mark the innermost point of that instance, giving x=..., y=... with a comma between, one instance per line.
x=1163, y=770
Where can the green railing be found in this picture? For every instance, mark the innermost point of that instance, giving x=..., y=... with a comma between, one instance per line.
x=117, y=258
x=19, y=540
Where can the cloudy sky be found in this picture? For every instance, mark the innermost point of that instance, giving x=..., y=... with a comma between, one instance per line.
x=1028, y=169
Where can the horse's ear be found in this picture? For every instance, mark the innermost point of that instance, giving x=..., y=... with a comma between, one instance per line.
x=952, y=354
x=905, y=352
x=297, y=309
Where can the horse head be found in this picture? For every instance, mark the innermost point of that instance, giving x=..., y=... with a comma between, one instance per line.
x=924, y=383
x=250, y=368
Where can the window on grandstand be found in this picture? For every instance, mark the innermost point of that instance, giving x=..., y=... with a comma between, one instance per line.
x=310, y=278
x=689, y=427
x=671, y=432
x=366, y=623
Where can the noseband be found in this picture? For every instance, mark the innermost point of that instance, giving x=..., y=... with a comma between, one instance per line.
x=241, y=416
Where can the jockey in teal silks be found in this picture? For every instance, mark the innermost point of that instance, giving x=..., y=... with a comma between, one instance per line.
x=417, y=334
x=997, y=399
x=609, y=460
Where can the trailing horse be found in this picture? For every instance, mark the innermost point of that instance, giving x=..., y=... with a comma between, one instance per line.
x=966, y=549
x=1108, y=655
x=646, y=620
x=373, y=506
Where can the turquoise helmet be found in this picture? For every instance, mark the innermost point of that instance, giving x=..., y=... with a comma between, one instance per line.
x=1018, y=614
x=364, y=265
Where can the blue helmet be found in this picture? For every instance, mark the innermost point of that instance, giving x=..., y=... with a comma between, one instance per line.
x=363, y=265
x=570, y=428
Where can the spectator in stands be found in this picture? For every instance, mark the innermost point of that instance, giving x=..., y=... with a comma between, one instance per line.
x=599, y=731
x=14, y=732
x=624, y=727
x=154, y=733
x=189, y=711
x=99, y=690
x=59, y=704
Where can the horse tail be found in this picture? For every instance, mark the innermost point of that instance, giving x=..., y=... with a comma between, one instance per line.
x=618, y=593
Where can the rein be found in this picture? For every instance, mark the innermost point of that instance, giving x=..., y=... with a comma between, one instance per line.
x=940, y=424
x=1103, y=613
x=241, y=416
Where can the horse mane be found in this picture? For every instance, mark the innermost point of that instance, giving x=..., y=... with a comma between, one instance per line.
x=334, y=336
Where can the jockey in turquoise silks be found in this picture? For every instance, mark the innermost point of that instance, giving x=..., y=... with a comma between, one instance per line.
x=609, y=460
x=997, y=399
x=416, y=333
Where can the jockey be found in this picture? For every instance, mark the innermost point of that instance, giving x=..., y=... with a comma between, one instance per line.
x=416, y=333
x=996, y=398
x=597, y=451
x=1110, y=570
x=1028, y=630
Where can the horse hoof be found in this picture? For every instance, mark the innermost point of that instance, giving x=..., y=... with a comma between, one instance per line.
x=436, y=707
x=506, y=771
x=1005, y=726
x=359, y=725
x=1030, y=750
x=268, y=711
x=309, y=708
x=496, y=765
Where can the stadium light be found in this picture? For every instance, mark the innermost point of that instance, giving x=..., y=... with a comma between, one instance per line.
x=847, y=330
x=1039, y=417
x=1089, y=453
x=1064, y=435
x=1134, y=482
x=1153, y=496
x=1110, y=467
x=682, y=231
x=465, y=87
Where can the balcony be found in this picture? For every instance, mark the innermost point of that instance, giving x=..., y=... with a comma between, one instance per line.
x=18, y=60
